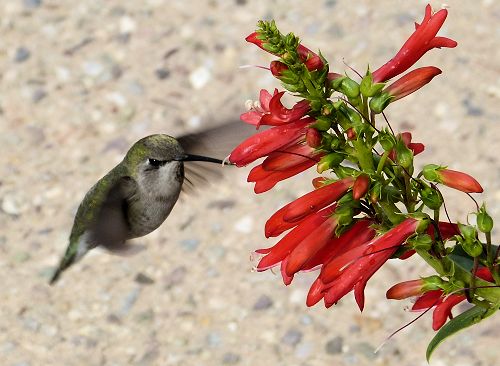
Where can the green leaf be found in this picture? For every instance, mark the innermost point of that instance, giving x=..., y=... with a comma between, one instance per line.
x=466, y=319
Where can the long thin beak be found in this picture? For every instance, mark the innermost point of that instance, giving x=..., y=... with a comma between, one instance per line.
x=190, y=157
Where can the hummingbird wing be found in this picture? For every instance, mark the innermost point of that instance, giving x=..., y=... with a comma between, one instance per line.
x=101, y=218
x=215, y=142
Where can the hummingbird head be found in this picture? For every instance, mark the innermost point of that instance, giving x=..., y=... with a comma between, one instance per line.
x=160, y=153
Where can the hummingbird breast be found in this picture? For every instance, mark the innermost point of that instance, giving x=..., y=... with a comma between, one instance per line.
x=158, y=191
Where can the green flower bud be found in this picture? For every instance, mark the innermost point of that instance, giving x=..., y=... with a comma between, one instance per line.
x=431, y=198
x=404, y=156
x=380, y=102
x=430, y=173
x=349, y=88
x=484, y=221
x=322, y=123
x=386, y=140
x=329, y=161
x=469, y=232
x=473, y=248
x=432, y=283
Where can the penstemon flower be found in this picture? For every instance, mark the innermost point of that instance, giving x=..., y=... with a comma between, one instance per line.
x=370, y=206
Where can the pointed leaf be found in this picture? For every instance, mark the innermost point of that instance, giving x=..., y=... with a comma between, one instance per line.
x=466, y=319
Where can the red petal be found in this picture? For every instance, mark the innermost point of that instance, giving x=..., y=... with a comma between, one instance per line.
x=443, y=310
x=283, y=247
x=310, y=245
x=428, y=300
x=317, y=199
x=265, y=142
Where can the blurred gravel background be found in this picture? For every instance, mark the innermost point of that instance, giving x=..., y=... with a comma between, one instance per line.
x=80, y=81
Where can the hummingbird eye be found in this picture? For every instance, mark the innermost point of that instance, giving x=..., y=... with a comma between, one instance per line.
x=156, y=163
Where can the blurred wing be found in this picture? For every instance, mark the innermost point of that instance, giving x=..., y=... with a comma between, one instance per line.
x=215, y=142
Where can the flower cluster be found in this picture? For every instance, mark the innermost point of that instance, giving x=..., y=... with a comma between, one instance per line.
x=369, y=206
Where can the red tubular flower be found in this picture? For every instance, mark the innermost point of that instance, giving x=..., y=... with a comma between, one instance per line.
x=357, y=234
x=253, y=38
x=254, y=115
x=422, y=40
x=310, y=245
x=458, y=180
x=428, y=300
x=405, y=289
x=354, y=268
x=411, y=82
x=284, y=247
x=280, y=115
x=277, y=68
x=265, y=142
x=443, y=310
x=360, y=187
x=291, y=156
x=267, y=179
x=311, y=60
x=289, y=215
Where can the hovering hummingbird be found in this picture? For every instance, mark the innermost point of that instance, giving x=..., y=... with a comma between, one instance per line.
x=137, y=195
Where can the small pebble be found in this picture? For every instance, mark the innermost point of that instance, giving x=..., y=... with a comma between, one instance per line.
x=129, y=301
x=143, y=279
x=175, y=277
x=32, y=4
x=11, y=205
x=231, y=358
x=21, y=55
x=127, y=25
x=334, y=345
x=200, y=77
x=190, y=245
x=38, y=94
x=263, y=302
x=162, y=73
x=213, y=339
x=304, y=350
x=292, y=337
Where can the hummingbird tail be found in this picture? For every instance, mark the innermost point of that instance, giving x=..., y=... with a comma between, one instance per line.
x=75, y=251
x=65, y=263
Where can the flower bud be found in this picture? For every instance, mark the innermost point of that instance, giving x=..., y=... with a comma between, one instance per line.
x=484, y=221
x=351, y=134
x=329, y=161
x=404, y=156
x=360, y=187
x=277, y=68
x=349, y=88
x=380, y=102
x=322, y=123
x=319, y=182
x=452, y=178
x=431, y=198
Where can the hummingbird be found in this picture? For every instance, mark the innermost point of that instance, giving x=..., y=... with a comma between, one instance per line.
x=138, y=194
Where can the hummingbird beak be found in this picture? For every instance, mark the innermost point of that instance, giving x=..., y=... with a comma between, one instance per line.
x=190, y=157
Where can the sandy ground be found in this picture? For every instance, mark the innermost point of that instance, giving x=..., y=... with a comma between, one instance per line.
x=80, y=81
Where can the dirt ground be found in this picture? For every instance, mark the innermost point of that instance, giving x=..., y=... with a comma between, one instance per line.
x=80, y=81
